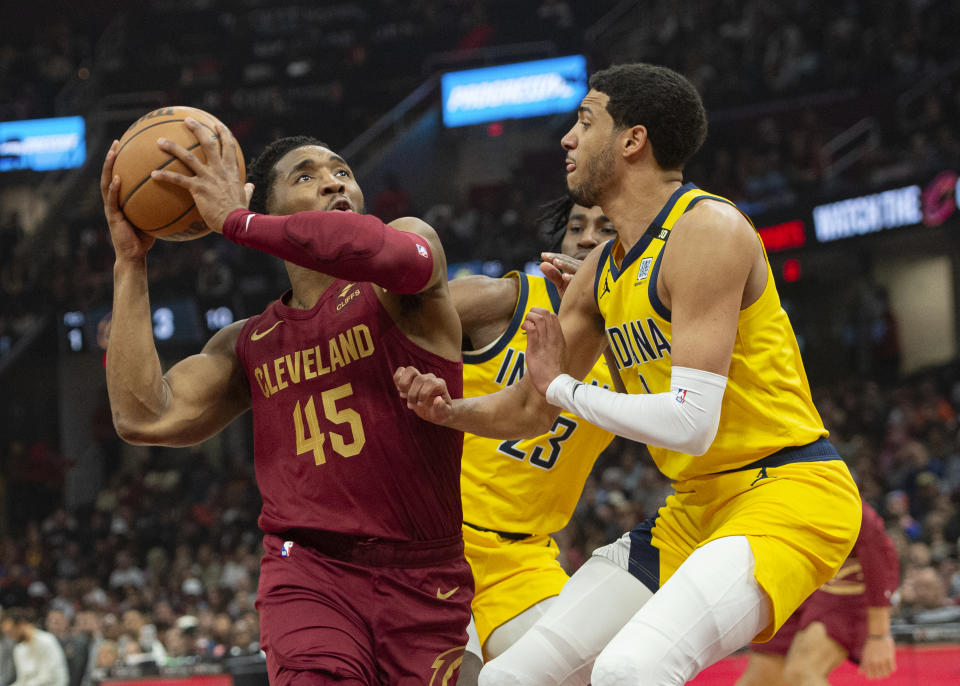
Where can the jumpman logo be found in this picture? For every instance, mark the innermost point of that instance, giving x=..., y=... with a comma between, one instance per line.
x=606, y=287
x=762, y=475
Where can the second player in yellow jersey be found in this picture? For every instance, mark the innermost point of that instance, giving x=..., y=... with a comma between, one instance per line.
x=516, y=493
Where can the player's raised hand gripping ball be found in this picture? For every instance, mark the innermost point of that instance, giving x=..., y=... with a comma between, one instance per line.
x=162, y=209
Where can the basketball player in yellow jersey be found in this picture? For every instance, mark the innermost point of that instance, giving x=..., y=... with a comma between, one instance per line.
x=516, y=493
x=764, y=511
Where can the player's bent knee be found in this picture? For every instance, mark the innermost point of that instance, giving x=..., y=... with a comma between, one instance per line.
x=619, y=668
x=615, y=670
x=493, y=675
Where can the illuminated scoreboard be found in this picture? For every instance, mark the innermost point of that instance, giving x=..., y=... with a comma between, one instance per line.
x=175, y=322
x=514, y=91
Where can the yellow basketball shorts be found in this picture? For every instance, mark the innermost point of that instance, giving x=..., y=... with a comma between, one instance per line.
x=509, y=576
x=801, y=518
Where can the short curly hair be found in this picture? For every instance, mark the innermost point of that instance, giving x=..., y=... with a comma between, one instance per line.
x=660, y=99
x=261, y=172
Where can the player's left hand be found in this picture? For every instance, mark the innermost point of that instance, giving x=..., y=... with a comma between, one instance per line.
x=546, y=347
x=216, y=186
x=426, y=394
x=879, y=658
x=559, y=269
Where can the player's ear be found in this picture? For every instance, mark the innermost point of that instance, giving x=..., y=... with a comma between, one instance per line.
x=633, y=140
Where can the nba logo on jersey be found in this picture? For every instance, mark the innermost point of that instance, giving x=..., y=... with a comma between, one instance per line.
x=644, y=269
x=681, y=395
x=285, y=550
x=422, y=250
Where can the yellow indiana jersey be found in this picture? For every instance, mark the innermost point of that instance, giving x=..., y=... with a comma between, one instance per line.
x=529, y=486
x=767, y=404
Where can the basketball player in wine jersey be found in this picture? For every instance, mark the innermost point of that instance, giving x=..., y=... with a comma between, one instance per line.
x=363, y=580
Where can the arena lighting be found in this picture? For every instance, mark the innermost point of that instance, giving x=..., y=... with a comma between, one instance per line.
x=513, y=91
x=792, y=271
x=867, y=214
x=43, y=144
x=897, y=207
x=783, y=236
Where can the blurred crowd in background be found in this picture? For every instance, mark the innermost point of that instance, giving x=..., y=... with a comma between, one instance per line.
x=162, y=564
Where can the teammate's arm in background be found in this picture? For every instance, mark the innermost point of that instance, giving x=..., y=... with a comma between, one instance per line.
x=518, y=411
x=485, y=306
x=881, y=573
x=198, y=396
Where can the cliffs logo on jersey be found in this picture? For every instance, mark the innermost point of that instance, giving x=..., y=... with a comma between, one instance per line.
x=346, y=296
x=637, y=342
x=644, y=270
x=445, y=667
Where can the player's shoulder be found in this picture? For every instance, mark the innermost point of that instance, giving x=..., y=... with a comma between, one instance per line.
x=481, y=300
x=415, y=225
x=714, y=216
x=715, y=211
x=476, y=287
x=224, y=341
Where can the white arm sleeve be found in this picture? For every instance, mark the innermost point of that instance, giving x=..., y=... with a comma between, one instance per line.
x=685, y=419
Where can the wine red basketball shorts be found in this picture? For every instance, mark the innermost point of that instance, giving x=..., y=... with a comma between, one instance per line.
x=370, y=611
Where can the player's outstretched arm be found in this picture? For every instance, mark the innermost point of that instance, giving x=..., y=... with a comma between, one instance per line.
x=709, y=262
x=199, y=396
x=519, y=411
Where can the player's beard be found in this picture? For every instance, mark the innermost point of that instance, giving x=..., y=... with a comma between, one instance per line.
x=598, y=175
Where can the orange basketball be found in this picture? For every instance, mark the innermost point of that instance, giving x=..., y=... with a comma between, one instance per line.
x=162, y=209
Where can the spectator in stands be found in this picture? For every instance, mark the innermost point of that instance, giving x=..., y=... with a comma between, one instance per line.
x=143, y=634
x=923, y=594
x=86, y=626
x=37, y=655
x=7, y=671
x=75, y=646
x=125, y=572
x=108, y=655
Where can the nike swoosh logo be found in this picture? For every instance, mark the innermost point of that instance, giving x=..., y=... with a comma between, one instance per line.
x=256, y=335
x=444, y=596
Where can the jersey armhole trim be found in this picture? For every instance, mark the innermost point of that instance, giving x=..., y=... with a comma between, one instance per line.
x=491, y=351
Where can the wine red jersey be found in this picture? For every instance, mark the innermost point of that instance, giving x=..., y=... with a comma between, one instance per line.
x=872, y=572
x=335, y=446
